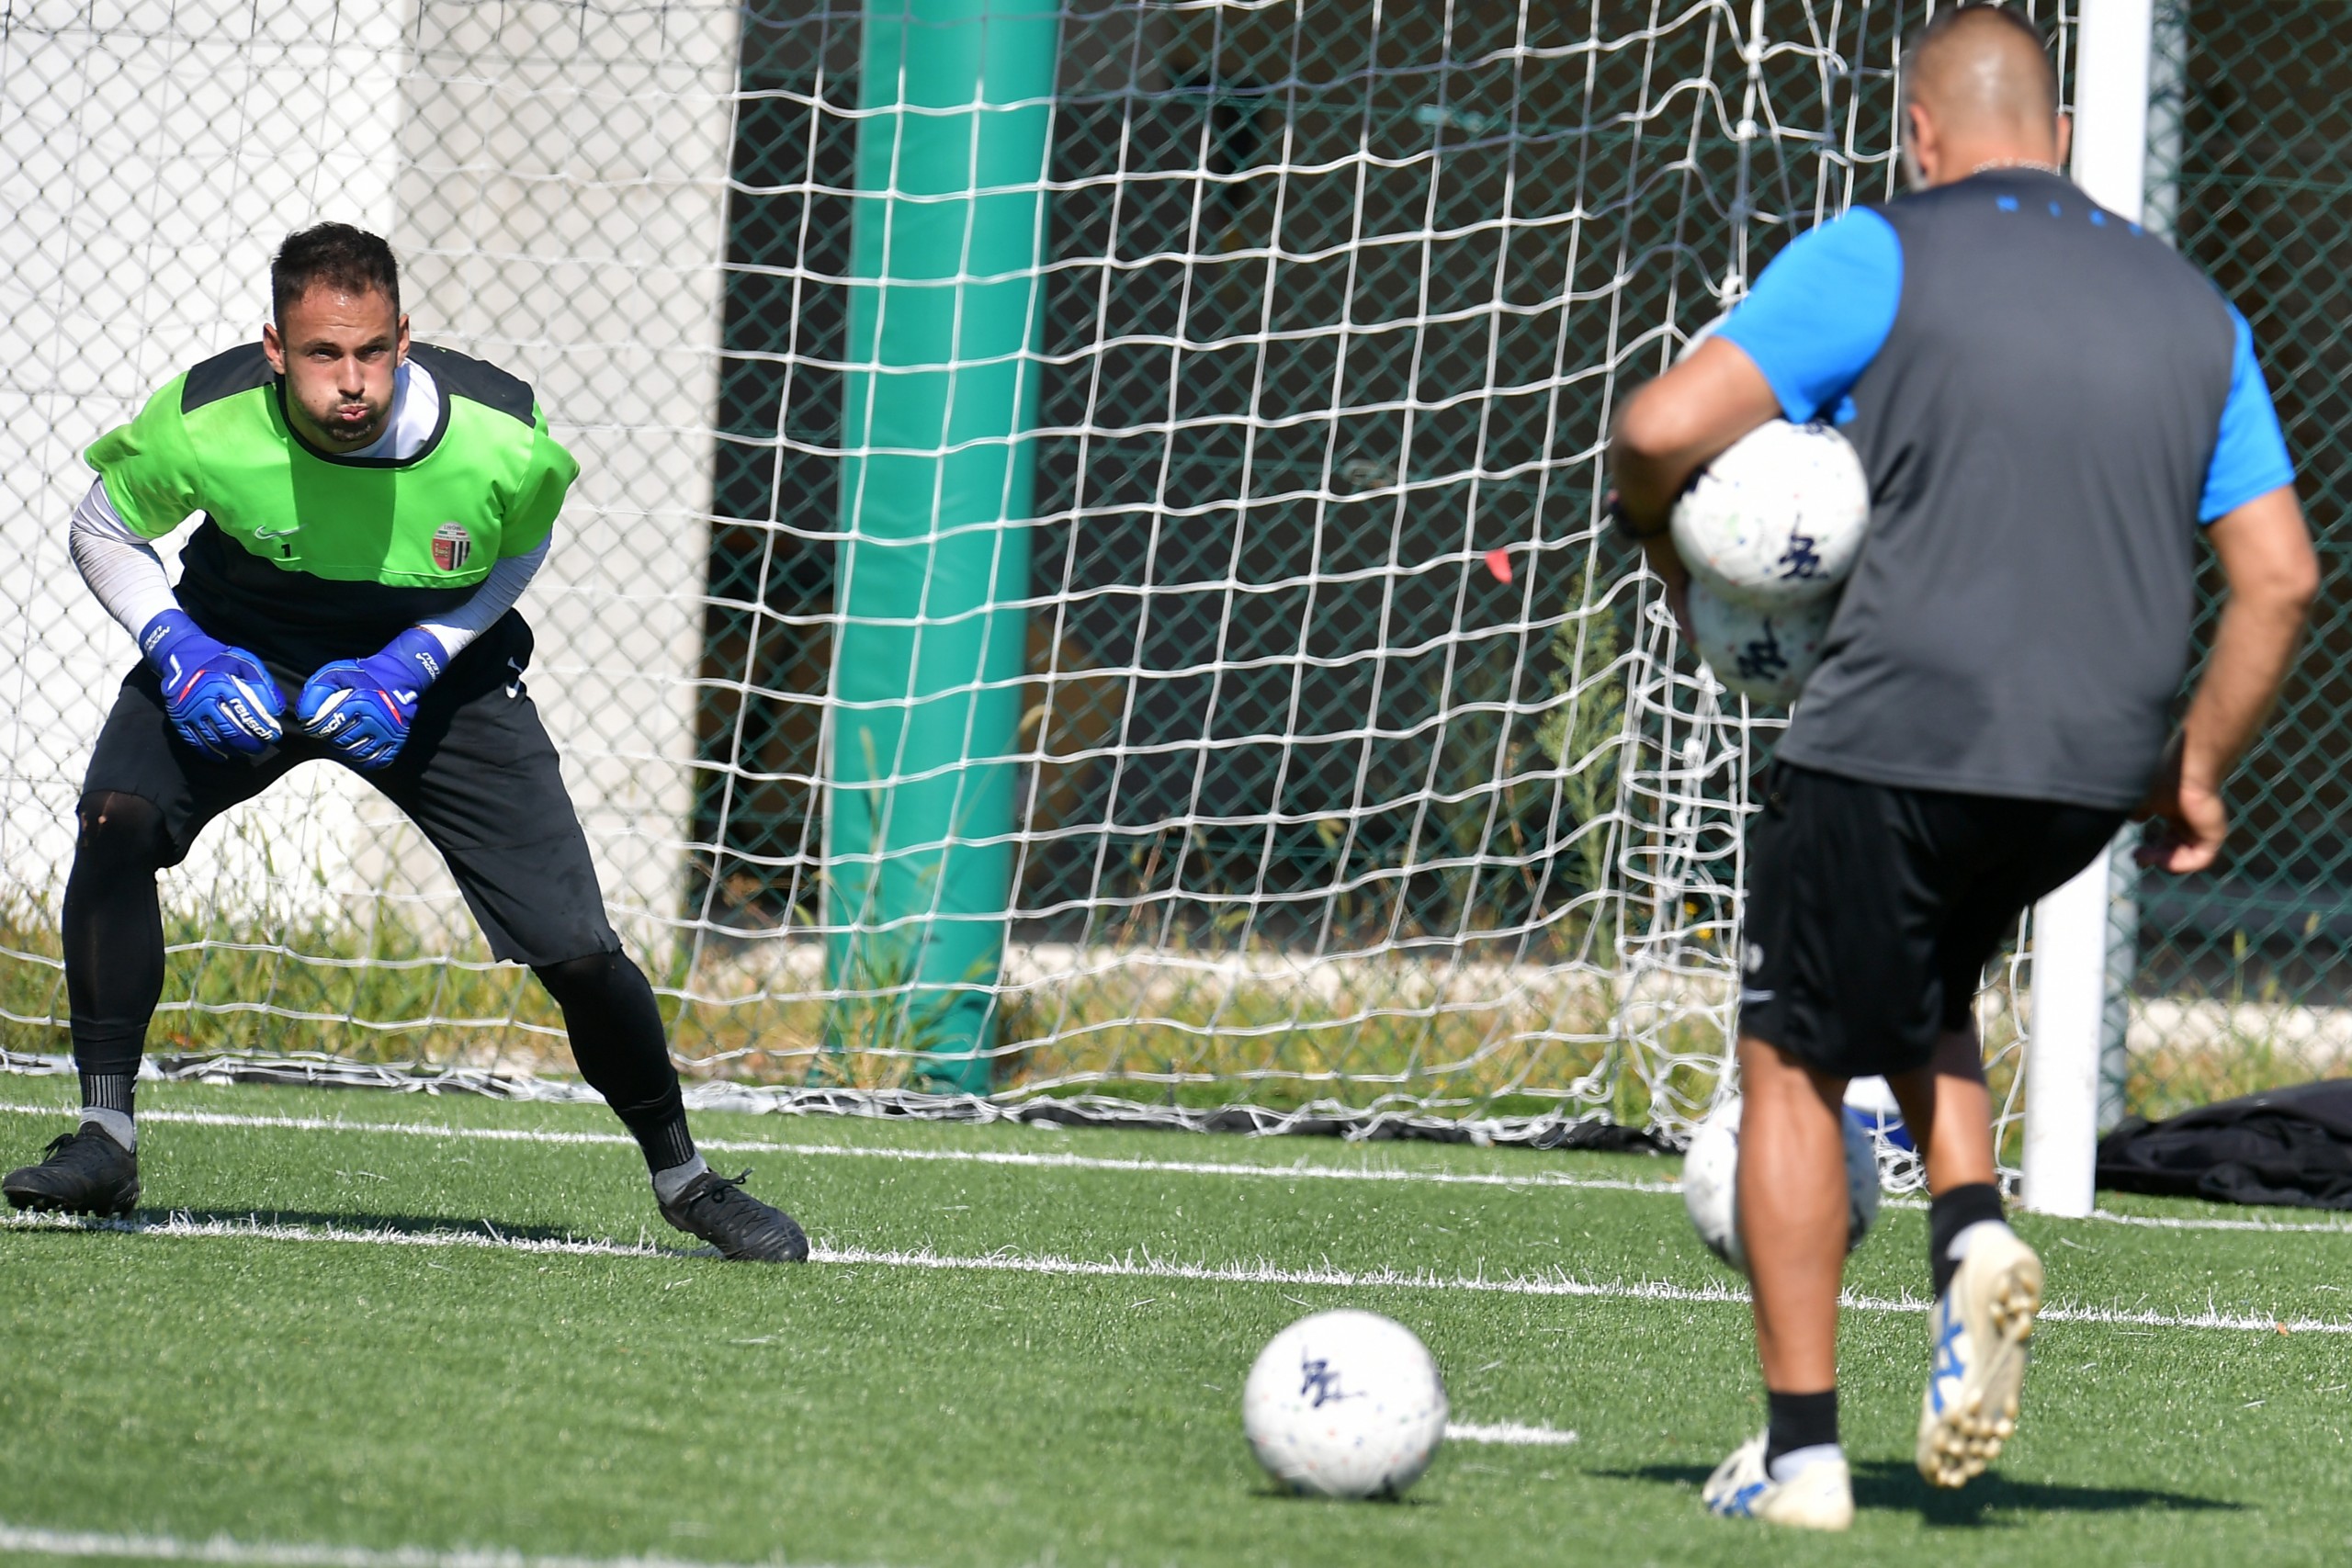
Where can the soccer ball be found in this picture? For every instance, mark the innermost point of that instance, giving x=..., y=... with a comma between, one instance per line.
x=1346, y=1403
x=1711, y=1183
x=1777, y=519
x=1763, y=655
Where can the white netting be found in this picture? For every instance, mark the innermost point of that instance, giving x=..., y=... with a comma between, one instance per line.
x=1358, y=761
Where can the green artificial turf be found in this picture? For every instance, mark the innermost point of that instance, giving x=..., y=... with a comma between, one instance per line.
x=293, y=1392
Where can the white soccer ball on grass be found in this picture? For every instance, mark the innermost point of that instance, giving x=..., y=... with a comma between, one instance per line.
x=1778, y=518
x=1711, y=1183
x=1345, y=1404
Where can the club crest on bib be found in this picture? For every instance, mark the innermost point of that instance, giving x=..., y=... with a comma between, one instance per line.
x=451, y=546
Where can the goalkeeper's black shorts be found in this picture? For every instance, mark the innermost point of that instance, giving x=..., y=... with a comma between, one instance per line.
x=478, y=777
x=1872, y=910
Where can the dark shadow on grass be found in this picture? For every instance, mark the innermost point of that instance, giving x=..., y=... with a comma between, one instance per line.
x=472, y=1227
x=404, y=1224
x=1896, y=1486
x=1277, y=1491
x=1892, y=1487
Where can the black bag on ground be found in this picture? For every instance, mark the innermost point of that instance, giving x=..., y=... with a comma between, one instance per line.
x=2289, y=1146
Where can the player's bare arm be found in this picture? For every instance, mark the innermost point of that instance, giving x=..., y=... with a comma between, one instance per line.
x=1670, y=429
x=2273, y=575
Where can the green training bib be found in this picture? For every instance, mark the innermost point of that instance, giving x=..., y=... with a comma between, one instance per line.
x=487, y=485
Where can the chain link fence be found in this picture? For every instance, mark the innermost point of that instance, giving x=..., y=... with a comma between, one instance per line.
x=1354, y=764
x=1357, y=765
x=2237, y=976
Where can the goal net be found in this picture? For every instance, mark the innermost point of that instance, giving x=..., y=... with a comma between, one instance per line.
x=1358, y=770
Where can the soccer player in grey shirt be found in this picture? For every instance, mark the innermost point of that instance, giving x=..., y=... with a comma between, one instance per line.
x=2050, y=404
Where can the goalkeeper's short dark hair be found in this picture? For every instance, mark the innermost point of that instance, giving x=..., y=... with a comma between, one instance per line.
x=336, y=255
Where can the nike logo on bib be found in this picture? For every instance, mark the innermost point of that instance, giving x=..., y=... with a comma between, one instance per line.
x=276, y=533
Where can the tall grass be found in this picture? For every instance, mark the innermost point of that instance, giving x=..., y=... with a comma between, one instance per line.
x=1482, y=1041
x=1174, y=1028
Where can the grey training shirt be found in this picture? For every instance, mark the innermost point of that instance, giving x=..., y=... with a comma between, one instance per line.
x=2047, y=401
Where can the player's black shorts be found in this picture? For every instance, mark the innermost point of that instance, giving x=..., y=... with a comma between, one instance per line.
x=1872, y=910
x=478, y=777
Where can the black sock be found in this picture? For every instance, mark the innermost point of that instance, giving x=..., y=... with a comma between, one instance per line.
x=1948, y=1215
x=1799, y=1421
x=108, y=1091
x=617, y=1038
x=663, y=1137
x=113, y=929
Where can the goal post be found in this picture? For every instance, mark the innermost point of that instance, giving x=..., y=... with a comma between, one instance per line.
x=937, y=489
x=2075, y=931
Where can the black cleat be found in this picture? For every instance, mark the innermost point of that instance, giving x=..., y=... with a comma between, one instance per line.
x=717, y=1209
x=86, y=1173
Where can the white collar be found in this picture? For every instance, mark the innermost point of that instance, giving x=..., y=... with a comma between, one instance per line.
x=416, y=413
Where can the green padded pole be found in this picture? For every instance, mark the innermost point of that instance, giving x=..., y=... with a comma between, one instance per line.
x=937, y=491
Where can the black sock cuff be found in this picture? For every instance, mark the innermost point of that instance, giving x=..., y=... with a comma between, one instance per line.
x=109, y=1091
x=661, y=1133
x=1950, y=1212
x=1964, y=1206
x=108, y=1047
x=1799, y=1421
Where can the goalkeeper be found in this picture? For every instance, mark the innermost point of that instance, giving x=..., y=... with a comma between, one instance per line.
x=372, y=509
x=2048, y=402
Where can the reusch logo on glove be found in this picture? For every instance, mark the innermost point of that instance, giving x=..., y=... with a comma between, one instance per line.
x=451, y=546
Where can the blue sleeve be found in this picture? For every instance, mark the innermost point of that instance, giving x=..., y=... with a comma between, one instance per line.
x=2250, y=454
x=1820, y=312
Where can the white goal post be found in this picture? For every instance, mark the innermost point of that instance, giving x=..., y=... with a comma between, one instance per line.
x=2077, y=929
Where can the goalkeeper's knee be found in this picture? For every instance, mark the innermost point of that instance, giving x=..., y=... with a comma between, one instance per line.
x=120, y=834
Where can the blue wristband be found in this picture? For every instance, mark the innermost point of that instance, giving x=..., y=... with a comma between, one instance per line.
x=166, y=635
x=421, y=651
x=220, y=699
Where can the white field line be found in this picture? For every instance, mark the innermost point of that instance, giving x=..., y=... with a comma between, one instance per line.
x=222, y=1548
x=1299, y=1171
x=920, y=1157
x=1554, y=1282
x=1510, y=1434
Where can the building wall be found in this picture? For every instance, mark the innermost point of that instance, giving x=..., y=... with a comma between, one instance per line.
x=151, y=156
x=553, y=177
x=562, y=212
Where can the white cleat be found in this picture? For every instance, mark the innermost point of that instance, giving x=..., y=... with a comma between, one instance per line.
x=1979, y=1333
x=1818, y=1497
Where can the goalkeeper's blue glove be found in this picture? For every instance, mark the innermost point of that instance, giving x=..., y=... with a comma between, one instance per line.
x=363, y=708
x=220, y=698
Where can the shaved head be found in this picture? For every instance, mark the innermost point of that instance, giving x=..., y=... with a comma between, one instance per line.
x=1979, y=93
x=1981, y=69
